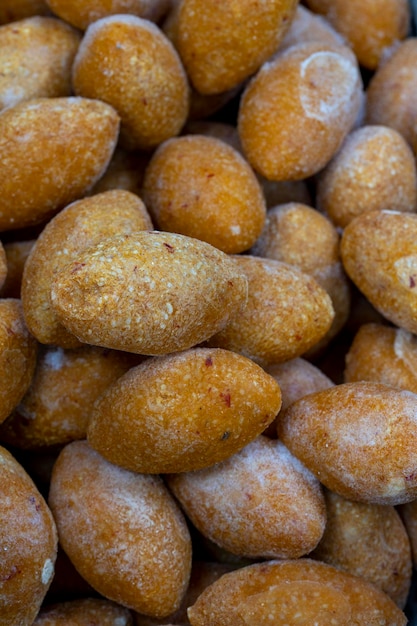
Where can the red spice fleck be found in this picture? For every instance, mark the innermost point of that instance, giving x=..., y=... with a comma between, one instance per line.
x=77, y=266
x=33, y=500
x=210, y=175
x=208, y=361
x=412, y=281
x=248, y=496
x=298, y=337
x=14, y=570
x=410, y=477
x=226, y=398
x=169, y=247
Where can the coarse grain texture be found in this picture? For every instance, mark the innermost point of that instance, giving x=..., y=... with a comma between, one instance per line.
x=81, y=224
x=370, y=541
x=222, y=44
x=3, y=267
x=308, y=26
x=65, y=145
x=281, y=592
x=36, y=56
x=17, y=356
x=16, y=254
x=295, y=113
x=202, y=187
x=259, y=503
x=130, y=64
x=203, y=573
x=296, y=378
x=383, y=354
x=13, y=10
x=184, y=411
x=274, y=192
x=28, y=543
x=84, y=612
x=379, y=253
x=202, y=105
x=287, y=313
x=390, y=96
x=57, y=406
x=122, y=531
x=82, y=13
x=299, y=235
x=150, y=292
x=408, y=513
x=381, y=24
x=375, y=169
x=358, y=439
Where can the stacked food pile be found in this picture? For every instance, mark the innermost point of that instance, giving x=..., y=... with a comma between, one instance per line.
x=208, y=273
